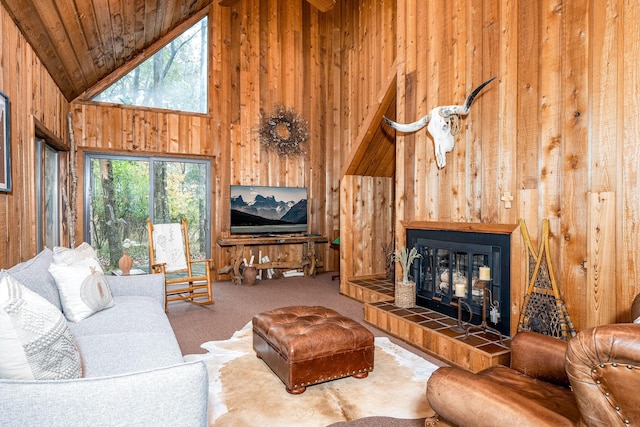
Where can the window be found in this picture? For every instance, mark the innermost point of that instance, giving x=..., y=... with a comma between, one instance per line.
x=121, y=192
x=48, y=201
x=174, y=78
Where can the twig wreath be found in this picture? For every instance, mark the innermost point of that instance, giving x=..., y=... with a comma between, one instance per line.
x=284, y=131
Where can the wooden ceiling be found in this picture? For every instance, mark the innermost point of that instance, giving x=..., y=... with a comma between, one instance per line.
x=81, y=42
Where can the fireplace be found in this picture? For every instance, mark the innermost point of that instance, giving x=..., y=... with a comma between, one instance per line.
x=457, y=260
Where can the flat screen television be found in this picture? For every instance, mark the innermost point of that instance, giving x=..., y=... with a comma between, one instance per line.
x=268, y=209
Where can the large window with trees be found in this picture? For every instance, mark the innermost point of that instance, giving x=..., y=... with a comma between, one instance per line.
x=174, y=78
x=121, y=192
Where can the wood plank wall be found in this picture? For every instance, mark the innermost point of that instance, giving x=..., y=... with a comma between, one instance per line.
x=367, y=68
x=558, y=130
x=265, y=53
x=35, y=100
x=259, y=56
x=366, y=218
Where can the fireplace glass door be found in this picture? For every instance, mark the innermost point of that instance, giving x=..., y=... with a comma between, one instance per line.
x=450, y=271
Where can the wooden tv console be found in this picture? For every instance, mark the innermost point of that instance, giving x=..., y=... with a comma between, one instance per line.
x=307, y=262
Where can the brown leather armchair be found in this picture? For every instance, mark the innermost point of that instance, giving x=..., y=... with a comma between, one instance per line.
x=594, y=380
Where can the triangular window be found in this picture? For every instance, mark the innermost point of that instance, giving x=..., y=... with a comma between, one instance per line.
x=174, y=78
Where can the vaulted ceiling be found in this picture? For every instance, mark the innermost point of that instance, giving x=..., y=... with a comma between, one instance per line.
x=81, y=42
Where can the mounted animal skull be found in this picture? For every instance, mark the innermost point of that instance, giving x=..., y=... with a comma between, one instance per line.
x=439, y=122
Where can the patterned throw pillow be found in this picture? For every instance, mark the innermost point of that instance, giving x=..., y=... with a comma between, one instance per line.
x=35, y=340
x=81, y=282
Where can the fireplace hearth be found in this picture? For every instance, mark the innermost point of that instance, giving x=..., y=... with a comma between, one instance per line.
x=455, y=266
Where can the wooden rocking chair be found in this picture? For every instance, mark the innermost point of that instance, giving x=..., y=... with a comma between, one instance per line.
x=169, y=254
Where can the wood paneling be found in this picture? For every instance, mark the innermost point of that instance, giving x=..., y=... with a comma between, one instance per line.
x=323, y=5
x=627, y=171
x=368, y=72
x=272, y=52
x=600, y=261
x=263, y=53
x=375, y=150
x=366, y=205
x=557, y=131
x=35, y=100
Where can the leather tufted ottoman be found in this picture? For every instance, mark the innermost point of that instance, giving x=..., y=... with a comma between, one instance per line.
x=309, y=345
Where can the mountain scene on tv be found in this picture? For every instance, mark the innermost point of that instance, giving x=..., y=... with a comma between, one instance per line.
x=268, y=209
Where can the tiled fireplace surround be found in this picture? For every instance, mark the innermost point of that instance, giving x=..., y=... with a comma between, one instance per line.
x=432, y=328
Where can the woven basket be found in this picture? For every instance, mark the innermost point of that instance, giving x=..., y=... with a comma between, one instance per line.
x=405, y=294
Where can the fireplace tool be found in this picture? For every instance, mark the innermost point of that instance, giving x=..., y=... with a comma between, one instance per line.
x=482, y=284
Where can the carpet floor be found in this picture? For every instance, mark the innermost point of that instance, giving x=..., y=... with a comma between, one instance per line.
x=235, y=306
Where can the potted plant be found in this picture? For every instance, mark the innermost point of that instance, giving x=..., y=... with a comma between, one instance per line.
x=405, y=291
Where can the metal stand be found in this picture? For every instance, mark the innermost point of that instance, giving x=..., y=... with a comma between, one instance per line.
x=460, y=327
x=484, y=326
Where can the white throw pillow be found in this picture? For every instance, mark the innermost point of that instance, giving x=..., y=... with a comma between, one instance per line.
x=35, y=341
x=637, y=320
x=80, y=281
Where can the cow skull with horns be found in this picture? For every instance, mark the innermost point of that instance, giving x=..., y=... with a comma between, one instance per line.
x=439, y=124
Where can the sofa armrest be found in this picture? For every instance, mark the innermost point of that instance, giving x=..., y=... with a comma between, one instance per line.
x=635, y=308
x=539, y=356
x=151, y=285
x=464, y=398
x=175, y=395
x=603, y=364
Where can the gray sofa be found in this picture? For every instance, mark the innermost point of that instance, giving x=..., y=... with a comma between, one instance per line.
x=133, y=369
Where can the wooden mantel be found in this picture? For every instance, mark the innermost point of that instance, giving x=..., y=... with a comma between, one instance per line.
x=468, y=227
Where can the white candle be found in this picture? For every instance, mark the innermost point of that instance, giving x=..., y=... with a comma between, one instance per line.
x=485, y=273
x=459, y=290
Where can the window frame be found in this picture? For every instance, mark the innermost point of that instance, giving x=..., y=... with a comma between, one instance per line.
x=89, y=156
x=43, y=136
x=42, y=174
x=122, y=72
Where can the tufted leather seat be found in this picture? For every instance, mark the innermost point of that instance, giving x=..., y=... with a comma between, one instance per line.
x=593, y=380
x=603, y=365
x=306, y=345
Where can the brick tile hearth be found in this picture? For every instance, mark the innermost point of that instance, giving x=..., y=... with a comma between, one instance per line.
x=427, y=329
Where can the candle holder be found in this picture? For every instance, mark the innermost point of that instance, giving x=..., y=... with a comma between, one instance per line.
x=494, y=306
x=460, y=326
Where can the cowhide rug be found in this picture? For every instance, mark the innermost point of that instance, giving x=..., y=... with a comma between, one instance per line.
x=243, y=391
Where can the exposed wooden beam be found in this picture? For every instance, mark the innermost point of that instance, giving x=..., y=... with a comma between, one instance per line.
x=323, y=5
